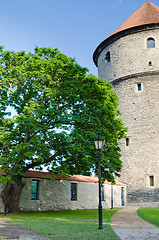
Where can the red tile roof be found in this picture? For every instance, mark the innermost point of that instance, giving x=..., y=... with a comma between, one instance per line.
x=147, y=14
x=78, y=178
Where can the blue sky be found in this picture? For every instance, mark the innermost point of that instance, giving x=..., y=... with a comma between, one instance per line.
x=74, y=27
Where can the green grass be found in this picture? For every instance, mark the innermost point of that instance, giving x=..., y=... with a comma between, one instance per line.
x=67, y=214
x=69, y=230
x=150, y=215
x=67, y=225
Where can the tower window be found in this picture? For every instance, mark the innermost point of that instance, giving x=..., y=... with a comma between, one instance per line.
x=127, y=141
x=151, y=179
x=139, y=87
x=150, y=43
x=107, y=57
x=150, y=63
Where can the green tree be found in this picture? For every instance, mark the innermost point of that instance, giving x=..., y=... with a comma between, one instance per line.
x=59, y=110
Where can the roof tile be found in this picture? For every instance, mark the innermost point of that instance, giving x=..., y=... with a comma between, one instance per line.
x=148, y=13
x=78, y=178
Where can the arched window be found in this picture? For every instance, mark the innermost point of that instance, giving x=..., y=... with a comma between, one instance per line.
x=150, y=43
x=150, y=63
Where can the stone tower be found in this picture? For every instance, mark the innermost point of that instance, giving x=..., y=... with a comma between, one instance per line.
x=129, y=59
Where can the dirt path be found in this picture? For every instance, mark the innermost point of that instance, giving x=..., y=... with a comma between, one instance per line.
x=14, y=232
x=128, y=226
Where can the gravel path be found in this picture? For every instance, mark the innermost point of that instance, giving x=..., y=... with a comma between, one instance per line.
x=129, y=226
x=14, y=232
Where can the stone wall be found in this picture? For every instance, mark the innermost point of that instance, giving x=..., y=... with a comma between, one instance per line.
x=129, y=55
x=140, y=113
x=132, y=63
x=56, y=195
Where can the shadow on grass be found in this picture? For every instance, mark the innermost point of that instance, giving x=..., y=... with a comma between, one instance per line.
x=66, y=230
x=67, y=225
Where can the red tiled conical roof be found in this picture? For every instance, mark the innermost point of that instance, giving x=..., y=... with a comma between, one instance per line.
x=147, y=14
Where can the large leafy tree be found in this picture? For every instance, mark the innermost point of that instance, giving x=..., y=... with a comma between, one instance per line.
x=58, y=112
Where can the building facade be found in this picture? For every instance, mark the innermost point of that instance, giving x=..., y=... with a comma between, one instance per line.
x=43, y=192
x=129, y=59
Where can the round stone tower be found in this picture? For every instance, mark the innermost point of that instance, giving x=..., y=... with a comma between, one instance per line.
x=129, y=59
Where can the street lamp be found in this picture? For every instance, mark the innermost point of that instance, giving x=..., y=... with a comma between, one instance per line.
x=99, y=143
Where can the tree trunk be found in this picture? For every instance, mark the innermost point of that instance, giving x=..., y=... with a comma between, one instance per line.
x=11, y=195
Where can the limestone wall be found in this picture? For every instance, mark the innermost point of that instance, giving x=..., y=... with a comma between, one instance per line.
x=132, y=66
x=129, y=55
x=56, y=195
x=140, y=112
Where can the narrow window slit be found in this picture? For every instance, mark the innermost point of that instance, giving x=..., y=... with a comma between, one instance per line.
x=151, y=179
x=139, y=87
x=107, y=57
x=127, y=142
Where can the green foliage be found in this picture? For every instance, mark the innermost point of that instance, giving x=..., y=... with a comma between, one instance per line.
x=59, y=110
x=150, y=215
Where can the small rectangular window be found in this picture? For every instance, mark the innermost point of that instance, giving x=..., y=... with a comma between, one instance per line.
x=102, y=194
x=127, y=141
x=35, y=188
x=139, y=87
x=122, y=197
x=73, y=191
x=107, y=57
x=151, y=178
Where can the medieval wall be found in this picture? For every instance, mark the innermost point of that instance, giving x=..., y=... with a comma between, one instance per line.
x=129, y=55
x=56, y=195
x=133, y=70
x=140, y=113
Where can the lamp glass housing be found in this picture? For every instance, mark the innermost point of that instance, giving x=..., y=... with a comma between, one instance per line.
x=99, y=142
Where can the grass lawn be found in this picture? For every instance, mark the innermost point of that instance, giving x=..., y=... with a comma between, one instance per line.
x=88, y=214
x=67, y=225
x=150, y=215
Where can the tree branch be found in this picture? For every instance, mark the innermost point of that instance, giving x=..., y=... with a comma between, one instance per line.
x=35, y=164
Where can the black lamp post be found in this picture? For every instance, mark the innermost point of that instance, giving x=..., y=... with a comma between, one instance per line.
x=99, y=143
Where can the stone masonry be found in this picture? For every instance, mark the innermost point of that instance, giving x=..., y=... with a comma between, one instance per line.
x=125, y=60
x=56, y=195
x=140, y=112
x=129, y=55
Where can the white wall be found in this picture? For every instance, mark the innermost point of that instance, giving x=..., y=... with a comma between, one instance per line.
x=56, y=195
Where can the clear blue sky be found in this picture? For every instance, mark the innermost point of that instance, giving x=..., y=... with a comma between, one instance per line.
x=75, y=27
